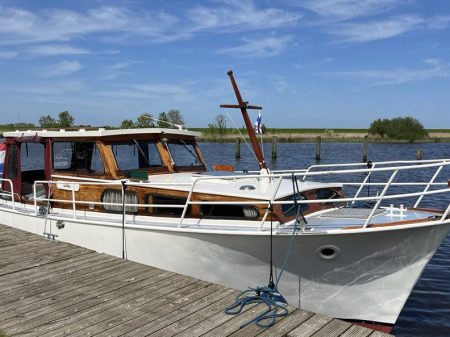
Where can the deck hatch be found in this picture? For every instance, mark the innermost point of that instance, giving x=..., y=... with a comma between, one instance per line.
x=351, y=213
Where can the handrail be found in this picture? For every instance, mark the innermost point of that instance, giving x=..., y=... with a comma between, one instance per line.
x=363, y=184
x=429, y=184
x=372, y=212
x=274, y=180
x=11, y=186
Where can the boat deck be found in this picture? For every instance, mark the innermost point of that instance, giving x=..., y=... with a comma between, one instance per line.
x=51, y=288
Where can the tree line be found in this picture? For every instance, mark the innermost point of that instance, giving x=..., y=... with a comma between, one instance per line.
x=401, y=128
x=171, y=119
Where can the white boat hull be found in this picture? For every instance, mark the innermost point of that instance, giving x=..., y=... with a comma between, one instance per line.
x=369, y=280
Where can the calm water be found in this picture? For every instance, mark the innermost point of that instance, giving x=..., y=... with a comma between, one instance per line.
x=427, y=311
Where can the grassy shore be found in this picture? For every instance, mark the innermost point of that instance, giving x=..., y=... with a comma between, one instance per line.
x=310, y=135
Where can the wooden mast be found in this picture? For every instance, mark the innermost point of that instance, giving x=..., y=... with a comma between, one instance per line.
x=248, y=124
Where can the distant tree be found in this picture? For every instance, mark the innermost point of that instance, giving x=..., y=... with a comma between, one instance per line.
x=162, y=121
x=47, y=121
x=127, y=124
x=400, y=128
x=145, y=120
x=406, y=128
x=175, y=118
x=65, y=119
x=379, y=127
x=219, y=125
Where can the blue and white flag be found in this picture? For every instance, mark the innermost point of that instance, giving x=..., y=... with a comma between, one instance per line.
x=258, y=125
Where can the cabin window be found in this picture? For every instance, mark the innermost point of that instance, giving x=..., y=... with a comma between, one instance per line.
x=167, y=200
x=183, y=154
x=115, y=197
x=136, y=155
x=32, y=167
x=291, y=209
x=326, y=193
x=78, y=157
x=12, y=165
x=230, y=211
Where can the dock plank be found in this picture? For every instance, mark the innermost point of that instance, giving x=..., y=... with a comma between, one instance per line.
x=52, y=289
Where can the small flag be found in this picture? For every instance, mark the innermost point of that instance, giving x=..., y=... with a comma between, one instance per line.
x=258, y=128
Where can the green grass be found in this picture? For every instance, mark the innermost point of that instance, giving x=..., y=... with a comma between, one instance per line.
x=2, y=334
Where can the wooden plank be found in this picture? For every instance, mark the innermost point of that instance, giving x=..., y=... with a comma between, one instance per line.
x=121, y=317
x=36, y=294
x=201, y=318
x=334, y=328
x=235, y=322
x=287, y=324
x=161, y=316
x=357, y=331
x=42, y=271
x=310, y=326
x=109, y=305
x=40, y=278
x=76, y=301
x=43, y=259
x=379, y=334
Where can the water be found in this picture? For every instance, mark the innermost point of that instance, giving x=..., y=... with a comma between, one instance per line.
x=427, y=311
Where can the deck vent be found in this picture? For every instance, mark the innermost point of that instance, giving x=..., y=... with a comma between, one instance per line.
x=247, y=188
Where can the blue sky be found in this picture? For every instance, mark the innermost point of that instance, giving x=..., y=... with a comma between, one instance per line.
x=309, y=63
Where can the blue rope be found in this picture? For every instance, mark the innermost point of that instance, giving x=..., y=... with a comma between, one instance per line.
x=275, y=302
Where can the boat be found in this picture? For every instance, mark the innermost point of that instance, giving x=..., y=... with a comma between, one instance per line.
x=146, y=195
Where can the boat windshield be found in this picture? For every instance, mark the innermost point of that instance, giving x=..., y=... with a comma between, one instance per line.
x=132, y=155
x=183, y=154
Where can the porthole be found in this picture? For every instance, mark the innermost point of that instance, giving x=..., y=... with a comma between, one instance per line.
x=328, y=252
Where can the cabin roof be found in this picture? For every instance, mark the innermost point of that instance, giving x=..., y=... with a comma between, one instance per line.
x=101, y=132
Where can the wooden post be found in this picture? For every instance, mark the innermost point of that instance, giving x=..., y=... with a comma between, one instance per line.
x=318, y=141
x=366, y=148
x=238, y=148
x=274, y=147
x=419, y=154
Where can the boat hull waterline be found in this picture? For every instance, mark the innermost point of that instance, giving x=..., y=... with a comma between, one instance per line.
x=369, y=277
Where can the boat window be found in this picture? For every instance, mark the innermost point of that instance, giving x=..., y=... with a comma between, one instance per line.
x=230, y=211
x=290, y=209
x=12, y=168
x=136, y=155
x=111, y=196
x=326, y=193
x=183, y=154
x=32, y=156
x=167, y=200
x=78, y=157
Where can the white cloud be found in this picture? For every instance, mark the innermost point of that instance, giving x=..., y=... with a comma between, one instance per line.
x=266, y=47
x=347, y=9
x=21, y=26
x=123, y=25
x=436, y=69
x=439, y=22
x=57, y=49
x=60, y=69
x=376, y=30
x=237, y=15
x=156, y=91
x=50, y=89
x=117, y=69
x=7, y=54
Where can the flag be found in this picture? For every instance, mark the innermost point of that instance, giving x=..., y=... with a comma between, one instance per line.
x=258, y=126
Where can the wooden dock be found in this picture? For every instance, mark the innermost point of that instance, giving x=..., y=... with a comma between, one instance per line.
x=51, y=288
